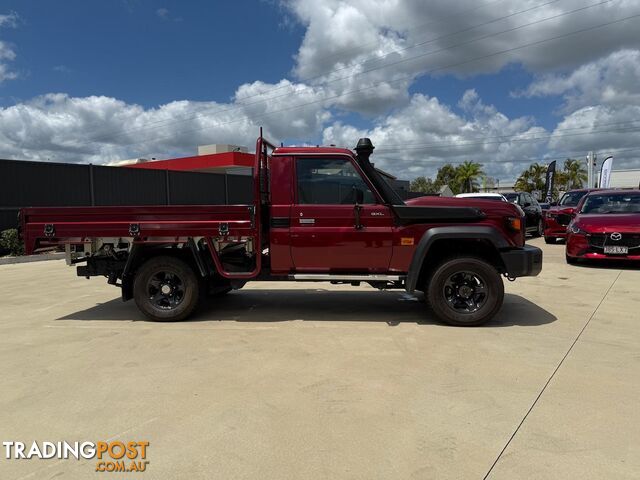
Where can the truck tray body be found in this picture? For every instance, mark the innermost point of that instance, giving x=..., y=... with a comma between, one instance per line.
x=50, y=226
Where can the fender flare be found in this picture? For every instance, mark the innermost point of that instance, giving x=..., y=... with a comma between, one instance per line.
x=137, y=255
x=458, y=232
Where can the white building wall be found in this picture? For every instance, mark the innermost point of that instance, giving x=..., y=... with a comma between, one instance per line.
x=625, y=179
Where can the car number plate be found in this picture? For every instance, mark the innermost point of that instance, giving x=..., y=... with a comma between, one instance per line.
x=616, y=250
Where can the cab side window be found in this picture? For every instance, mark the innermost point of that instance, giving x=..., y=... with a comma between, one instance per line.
x=330, y=181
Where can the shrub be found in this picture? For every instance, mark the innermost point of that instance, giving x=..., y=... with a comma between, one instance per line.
x=11, y=243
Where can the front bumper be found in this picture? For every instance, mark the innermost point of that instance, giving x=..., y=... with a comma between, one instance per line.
x=522, y=262
x=557, y=232
x=578, y=246
x=555, y=225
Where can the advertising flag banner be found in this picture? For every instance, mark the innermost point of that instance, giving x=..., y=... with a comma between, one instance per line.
x=549, y=181
x=605, y=173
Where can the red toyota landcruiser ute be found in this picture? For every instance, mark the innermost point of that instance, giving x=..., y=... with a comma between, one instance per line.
x=318, y=214
x=607, y=226
x=558, y=217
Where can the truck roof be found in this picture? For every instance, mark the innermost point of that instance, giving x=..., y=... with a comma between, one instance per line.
x=311, y=151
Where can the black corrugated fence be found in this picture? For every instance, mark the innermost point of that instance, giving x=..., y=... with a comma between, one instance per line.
x=43, y=184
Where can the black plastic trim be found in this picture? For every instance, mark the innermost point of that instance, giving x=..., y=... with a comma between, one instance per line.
x=197, y=257
x=127, y=278
x=280, y=222
x=472, y=232
x=522, y=262
x=408, y=214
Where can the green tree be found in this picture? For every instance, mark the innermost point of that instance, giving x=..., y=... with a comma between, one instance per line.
x=532, y=178
x=447, y=175
x=467, y=176
x=575, y=174
x=422, y=184
x=10, y=242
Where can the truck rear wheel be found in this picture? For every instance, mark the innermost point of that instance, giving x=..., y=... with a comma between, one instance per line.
x=166, y=289
x=465, y=291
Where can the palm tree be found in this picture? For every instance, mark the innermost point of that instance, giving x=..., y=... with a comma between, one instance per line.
x=523, y=183
x=467, y=175
x=532, y=178
x=575, y=173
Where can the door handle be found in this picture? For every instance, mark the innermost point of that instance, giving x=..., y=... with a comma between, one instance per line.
x=307, y=221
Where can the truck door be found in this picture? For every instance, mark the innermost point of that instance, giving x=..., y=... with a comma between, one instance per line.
x=337, y=222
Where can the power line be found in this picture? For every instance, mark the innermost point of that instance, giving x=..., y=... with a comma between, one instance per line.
x=415, y=27
x=483, y=57
x=239, y=106
x=516, y=140
x=558, y=156
x=290, y=88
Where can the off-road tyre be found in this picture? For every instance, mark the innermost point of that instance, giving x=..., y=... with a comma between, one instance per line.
x=470, y=272
x=179, y=280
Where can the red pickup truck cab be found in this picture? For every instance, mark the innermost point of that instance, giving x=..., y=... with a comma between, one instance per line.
x=558, y=217
x=319, y=214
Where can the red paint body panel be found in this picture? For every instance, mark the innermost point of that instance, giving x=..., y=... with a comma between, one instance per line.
x=81, y=223
x=552, y=226
x=598, y=227
x=200, y=162
x=332, y=243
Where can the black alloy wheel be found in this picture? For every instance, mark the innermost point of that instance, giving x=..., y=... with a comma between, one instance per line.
x=166, y=289
x=465, y=291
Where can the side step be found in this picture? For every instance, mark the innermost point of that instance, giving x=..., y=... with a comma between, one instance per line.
x=319, y=277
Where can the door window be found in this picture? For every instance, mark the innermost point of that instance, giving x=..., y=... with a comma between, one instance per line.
x=330, y=181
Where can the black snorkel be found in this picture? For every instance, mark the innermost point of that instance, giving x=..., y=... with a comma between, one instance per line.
x=364, y=149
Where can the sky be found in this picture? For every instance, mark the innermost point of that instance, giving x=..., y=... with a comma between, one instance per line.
x=501, y=82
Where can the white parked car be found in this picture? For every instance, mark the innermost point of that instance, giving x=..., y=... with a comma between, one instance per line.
x=484, y=196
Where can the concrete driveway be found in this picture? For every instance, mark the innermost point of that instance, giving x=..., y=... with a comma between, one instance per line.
x=292, y=381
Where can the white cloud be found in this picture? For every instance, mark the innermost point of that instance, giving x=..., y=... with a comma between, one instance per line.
x=337, y=71
x=7, y=54
x=8, y=20
x=418, y=138
x=601, y=128
x=351, y=37
x=612, y=80
x=102, y=129
x=601, y=103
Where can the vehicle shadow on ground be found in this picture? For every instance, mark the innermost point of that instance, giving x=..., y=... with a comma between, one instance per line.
x=263, y=306
x=608, y=264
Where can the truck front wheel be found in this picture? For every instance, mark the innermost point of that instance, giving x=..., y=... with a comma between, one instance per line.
x=465, y=291
x=166, y=289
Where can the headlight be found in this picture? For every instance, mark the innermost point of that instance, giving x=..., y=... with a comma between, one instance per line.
x=573, y=228
x=514, y=223
x=550, y=214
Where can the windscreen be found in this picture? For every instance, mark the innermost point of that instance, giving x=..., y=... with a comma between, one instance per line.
x=512, y=197
x=571, y=199
x=612, y=203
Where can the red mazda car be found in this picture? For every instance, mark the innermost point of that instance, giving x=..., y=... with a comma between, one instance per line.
x=606, y=226
x=557, y=217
